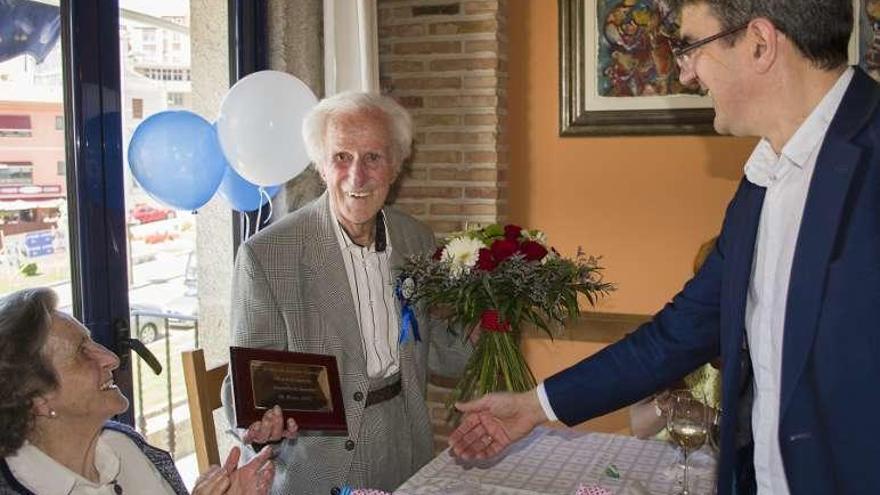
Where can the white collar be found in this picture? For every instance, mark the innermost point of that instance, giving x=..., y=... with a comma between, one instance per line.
x=46, y=476
x=346, y=243
x=763, y=162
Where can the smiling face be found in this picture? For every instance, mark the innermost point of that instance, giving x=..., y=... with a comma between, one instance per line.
x=719, y=68
x=86, y=391
x=359, y=169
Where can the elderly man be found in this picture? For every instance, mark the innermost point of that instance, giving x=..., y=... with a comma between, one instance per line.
x=321, y=281
x=790, y=296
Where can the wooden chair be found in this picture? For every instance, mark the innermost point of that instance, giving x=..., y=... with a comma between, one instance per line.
x=203, y=393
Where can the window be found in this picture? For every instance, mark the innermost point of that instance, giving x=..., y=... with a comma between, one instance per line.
x=15, y=126
x=137, y=108
x=16, y=173
x=59, y=122
x=148, y=35
x=175, y=99
x=62, y=167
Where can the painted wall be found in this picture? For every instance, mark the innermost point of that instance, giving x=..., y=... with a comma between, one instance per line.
x=644, y=203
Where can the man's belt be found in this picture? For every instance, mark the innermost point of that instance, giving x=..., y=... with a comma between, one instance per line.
x=387, y=392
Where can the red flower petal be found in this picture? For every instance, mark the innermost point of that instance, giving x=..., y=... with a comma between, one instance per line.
x=503, y=249
x=485, y=260
x=533, y=251
x=437, y=254
x=512, y=232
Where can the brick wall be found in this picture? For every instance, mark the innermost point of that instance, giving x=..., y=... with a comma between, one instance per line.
x=446, y=61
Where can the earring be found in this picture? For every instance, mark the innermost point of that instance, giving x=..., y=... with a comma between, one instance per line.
x=53, y=414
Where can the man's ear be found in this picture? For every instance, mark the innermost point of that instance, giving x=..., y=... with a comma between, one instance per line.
x=764, y=40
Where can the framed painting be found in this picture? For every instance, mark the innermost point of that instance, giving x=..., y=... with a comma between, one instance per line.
x=617, y=73
x=618, y=76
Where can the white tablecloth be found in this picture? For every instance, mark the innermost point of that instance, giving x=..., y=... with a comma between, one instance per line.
x=551, y=461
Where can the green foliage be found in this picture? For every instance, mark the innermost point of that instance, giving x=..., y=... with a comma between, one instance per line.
x=29, y=269
x=540, y=293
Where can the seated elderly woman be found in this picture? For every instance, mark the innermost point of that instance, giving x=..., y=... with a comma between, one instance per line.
x=56, y=399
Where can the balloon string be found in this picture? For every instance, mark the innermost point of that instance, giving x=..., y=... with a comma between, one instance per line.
x=266, y=200
x=247, y=227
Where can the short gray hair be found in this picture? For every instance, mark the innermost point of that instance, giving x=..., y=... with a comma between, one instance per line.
x=398, y=120
x=25, y=372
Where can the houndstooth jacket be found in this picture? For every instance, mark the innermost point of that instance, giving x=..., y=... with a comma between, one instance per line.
x=291, y=292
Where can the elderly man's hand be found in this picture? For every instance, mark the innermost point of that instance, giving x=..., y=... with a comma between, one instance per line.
x=271, y=428
x=493, y=422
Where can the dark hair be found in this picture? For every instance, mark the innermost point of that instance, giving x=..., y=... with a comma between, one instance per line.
x=820, y=29
x=25, y=373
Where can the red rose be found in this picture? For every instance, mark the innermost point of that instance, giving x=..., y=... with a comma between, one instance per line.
x=437, y=254
x=533, y=251
x=503, y=249
x=512, y=232
x=486, y=261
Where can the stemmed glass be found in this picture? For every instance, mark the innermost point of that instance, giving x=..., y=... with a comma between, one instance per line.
x=687, y=422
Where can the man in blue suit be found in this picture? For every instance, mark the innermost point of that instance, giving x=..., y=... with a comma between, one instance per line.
x=790, y=297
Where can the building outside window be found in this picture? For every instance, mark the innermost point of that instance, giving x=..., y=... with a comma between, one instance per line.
x=16, y=173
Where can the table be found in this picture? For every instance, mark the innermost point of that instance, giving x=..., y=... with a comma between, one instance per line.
x=556, y=461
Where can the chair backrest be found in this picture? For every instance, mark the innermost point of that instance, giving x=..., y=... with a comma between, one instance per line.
x=203, y=393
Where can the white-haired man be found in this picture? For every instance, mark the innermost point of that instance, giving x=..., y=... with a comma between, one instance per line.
x=321, y=281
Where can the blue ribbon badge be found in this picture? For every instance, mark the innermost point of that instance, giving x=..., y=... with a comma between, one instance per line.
x=405, y=290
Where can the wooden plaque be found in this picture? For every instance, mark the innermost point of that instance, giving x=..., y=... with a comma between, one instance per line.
x=305, y=386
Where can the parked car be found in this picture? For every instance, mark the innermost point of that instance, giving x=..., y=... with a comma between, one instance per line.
x=183, y=312
x=144, y=213
x=148, y=320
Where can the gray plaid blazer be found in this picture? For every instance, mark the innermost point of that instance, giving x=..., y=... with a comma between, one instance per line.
x=290, y=292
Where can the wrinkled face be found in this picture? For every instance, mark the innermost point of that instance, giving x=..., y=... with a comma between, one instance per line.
x=86, y=390
x=718, y=68
x=359, y=167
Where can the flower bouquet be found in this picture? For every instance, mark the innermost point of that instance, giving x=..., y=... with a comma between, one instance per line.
x=497, y=278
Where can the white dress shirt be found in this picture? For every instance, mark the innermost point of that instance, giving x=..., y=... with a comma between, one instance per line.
x=787, y=179
x=372, y=290
x=117, y=459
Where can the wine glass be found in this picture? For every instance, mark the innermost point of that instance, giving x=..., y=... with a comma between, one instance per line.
x=687, y=422
x=714, y=435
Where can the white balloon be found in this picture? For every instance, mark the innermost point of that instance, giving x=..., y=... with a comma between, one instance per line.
x=260, y=126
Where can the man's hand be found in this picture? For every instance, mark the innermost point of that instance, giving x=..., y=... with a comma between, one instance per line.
x=254, y=478
x=270, y=429
x=493, y=422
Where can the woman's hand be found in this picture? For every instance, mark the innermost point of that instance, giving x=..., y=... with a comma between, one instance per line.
x=271, y=428
x=255, y=477
x=214, y=481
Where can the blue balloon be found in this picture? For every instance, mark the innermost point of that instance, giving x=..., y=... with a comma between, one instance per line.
x=241, y=194
x=176, y=158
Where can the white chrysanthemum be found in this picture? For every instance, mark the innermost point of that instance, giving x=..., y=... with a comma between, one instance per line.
x=462, y=253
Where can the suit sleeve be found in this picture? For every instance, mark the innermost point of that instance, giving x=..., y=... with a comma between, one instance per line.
x=682, y=336
x=256, y=319
x=448, y=353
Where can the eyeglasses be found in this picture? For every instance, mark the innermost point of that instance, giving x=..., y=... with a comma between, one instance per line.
x=684, y=54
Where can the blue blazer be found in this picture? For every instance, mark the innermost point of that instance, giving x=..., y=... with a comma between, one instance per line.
x=830, y=394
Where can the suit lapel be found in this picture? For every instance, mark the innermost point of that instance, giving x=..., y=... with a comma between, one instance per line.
x=823, y=212
x=329, y=286
x=400, y=248
x=739, y=270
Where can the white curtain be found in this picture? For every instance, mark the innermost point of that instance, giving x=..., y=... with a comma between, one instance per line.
x=351, y=59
